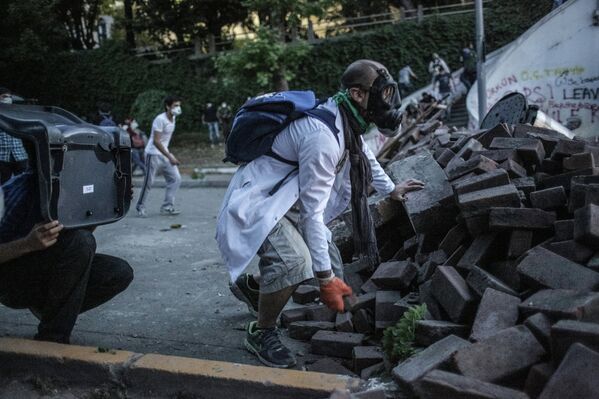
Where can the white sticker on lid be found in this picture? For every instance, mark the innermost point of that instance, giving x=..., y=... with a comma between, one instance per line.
x=88, y=189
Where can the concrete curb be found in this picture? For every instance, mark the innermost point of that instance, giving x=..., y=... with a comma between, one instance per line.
x=186, y=183
x=153, y=375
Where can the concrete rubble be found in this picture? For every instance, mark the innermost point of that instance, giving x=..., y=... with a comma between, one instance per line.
x=502, y=246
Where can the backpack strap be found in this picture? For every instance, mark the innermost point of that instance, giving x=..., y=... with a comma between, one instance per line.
x=326, y=117
x=323, y=115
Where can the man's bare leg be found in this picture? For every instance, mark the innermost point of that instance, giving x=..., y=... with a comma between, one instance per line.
x=271, y=305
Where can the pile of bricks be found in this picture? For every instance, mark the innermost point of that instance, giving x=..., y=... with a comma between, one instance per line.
x=502, y=246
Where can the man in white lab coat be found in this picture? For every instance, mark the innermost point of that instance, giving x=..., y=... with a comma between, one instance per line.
x=287, y=228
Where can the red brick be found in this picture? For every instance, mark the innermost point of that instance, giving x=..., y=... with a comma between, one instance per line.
x=452, y=292
x=305, y=294
x=503, y=218
x=336, y=344
x=494, y=178
x=543, y=268
x=501, y=196
x=530, y=150
x=304, y=330
x=396, y=275
x=497, y=311
x=566, y=148
x=520, y=242
x=563, y=304
x=442, y=384
x=500, y=358
x=576, y=376
x=514, y=169
x=549, y=199
x=579, y=161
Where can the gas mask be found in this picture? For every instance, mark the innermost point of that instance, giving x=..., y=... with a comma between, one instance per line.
x=383, y=104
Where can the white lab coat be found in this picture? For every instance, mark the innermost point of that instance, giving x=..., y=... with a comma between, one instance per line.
x=249, y=213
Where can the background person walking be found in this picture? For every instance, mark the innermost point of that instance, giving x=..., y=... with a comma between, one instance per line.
x=158, y=158
x=210, y=118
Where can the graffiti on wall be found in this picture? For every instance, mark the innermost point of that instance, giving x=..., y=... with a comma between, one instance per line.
x=570, y=95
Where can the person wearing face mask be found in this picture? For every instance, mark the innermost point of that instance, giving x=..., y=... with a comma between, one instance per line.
x=158, y=157
x=318, y=174
x=13, y=157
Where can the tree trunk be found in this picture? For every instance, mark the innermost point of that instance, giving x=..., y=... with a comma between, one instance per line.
x=278, y=80
x=211, y=43
x=129, y=33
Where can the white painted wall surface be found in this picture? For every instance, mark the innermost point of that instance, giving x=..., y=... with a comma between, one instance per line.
x=555, y=64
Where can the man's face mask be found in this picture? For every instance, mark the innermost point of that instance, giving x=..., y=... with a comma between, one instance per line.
x=383, y=104
x=176, y=110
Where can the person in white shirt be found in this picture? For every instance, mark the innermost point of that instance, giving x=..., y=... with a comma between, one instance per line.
x=405, y=80
x=158, y=157
x=287, y=228
x=436, y=63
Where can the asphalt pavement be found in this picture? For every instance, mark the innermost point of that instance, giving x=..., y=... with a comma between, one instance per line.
x=179, y=302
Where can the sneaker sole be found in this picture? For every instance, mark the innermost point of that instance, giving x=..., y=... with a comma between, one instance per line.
x=239, y=295
x=251, y=349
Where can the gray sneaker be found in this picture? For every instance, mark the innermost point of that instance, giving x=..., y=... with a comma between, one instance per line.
x=141, y=212
x=266, y=344
x=169, y=211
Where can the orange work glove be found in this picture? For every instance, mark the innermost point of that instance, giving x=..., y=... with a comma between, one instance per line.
x=332, y=293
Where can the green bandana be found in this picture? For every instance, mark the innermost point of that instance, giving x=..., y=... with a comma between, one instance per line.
x=343, y=97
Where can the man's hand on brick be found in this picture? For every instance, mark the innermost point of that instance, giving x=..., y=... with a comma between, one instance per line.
x=332, y=291
x=43, y=236
x=405, y=187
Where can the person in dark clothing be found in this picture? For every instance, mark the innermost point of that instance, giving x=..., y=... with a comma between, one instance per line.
x=469, y=60
x=55, y=273
x=13, y=158
x=104, y=116
x=210, y=118
x=444, y=85
x=225, y=116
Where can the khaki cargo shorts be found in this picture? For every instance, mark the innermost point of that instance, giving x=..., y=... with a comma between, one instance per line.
x=285, y=260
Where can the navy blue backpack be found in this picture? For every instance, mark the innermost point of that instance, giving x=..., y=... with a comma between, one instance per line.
x=261, y=118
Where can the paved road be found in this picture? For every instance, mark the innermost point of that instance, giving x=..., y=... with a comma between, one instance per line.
x=179, y=302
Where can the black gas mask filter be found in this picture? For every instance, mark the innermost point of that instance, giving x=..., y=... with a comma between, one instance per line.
x=383, y=106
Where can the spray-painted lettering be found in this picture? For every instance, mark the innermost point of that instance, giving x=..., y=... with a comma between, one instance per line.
x=581, y=93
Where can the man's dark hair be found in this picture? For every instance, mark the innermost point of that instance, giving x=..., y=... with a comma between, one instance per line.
x=169, y=100
x=361, y=73
x=5, y=90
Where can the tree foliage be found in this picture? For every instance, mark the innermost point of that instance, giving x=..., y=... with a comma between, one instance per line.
x=80, y=17
x=29, y=30
x=147, y=105
x=188, y=19
x=265, y=60
x=77, y=80
x=287, y=14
